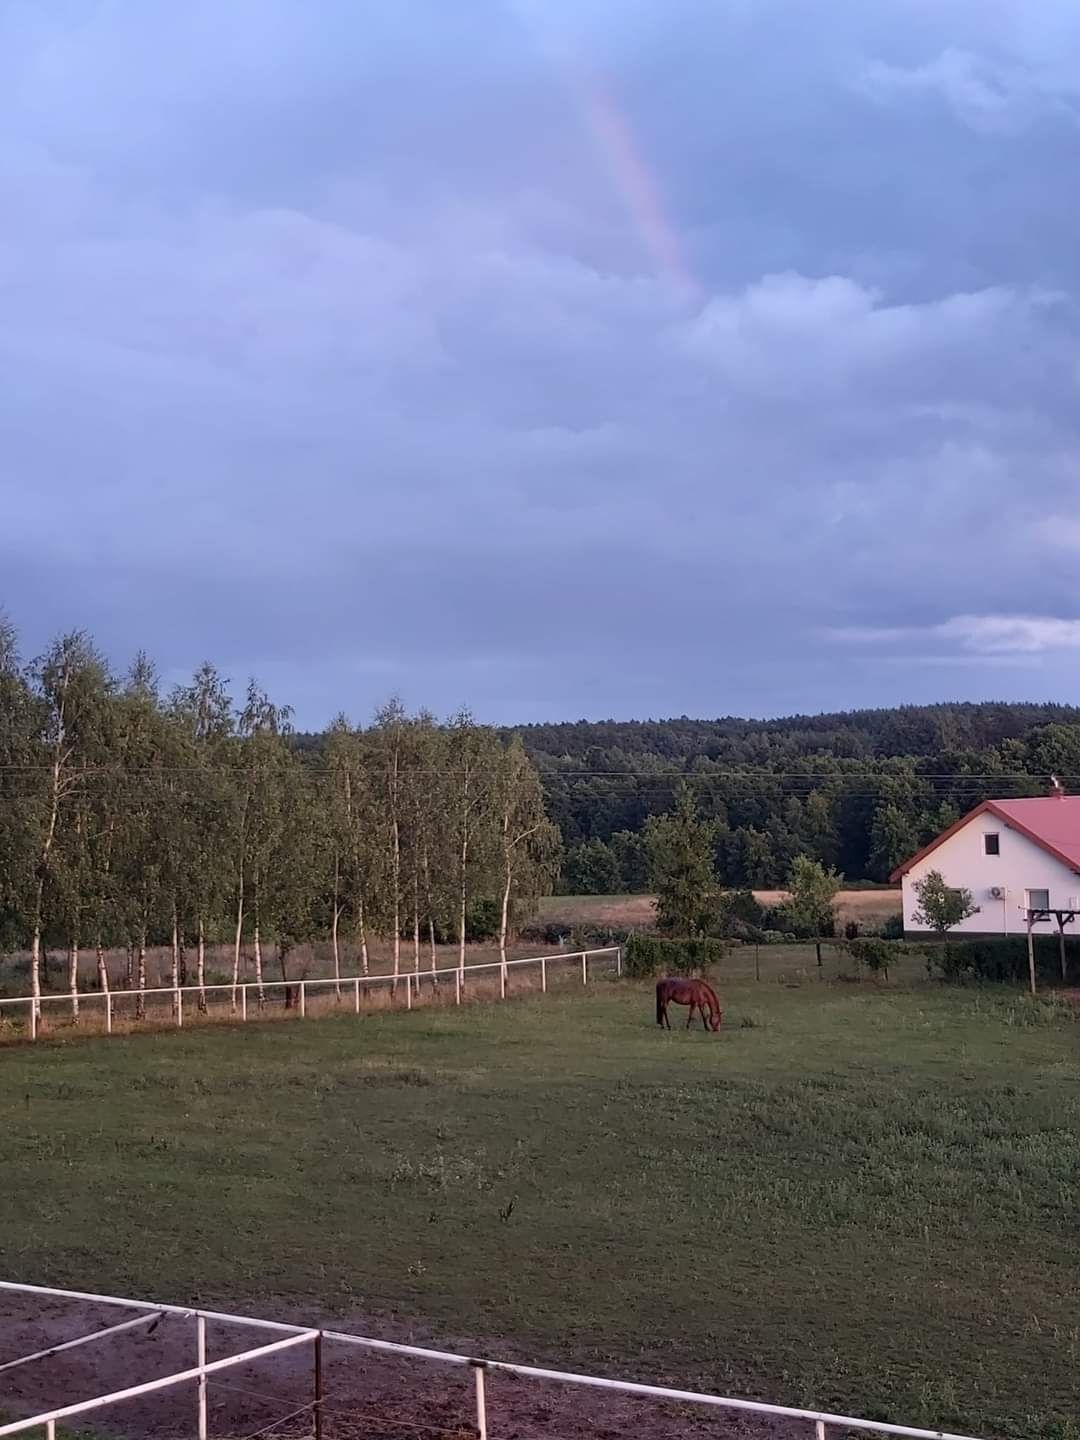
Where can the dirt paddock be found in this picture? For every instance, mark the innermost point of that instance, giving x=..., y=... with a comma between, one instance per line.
x=364, y=1393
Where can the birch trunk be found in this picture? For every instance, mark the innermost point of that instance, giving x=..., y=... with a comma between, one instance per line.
x=396, y=877
x=175, y=969
x=429, y=902
x=200, y=965
x=102, y=969
x=365, y=961
x=129, y=967
x=73, y=978
x=257, y=943
x=416, y=930
x=504, y=919
x=140, y=1003
x=55, y=794
x=335, y=924
x=238, y=940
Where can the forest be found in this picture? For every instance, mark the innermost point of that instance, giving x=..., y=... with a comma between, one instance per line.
x=129, y=819
x=858, y=791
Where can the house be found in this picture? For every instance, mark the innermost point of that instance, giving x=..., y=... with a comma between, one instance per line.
x=1013, y=855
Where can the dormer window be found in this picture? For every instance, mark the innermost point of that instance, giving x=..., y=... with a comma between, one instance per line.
x=992, y=843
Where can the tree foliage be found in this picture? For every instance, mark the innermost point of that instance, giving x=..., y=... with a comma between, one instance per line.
x=680, y=847
x=941, y=906
x=131, y=820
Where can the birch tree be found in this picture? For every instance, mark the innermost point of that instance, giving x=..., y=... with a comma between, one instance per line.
x=529, y=844
x=72, y=683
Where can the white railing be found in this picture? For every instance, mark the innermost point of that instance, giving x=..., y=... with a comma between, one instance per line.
x=297, y=1335
x=344, y=984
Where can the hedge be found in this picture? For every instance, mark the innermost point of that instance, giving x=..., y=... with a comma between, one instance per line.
x=1002, y=960
x=650, y=955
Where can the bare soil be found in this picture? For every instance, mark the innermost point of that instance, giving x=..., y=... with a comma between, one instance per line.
x=364, y=1393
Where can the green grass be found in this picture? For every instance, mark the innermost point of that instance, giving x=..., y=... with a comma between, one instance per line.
x=854, y=1198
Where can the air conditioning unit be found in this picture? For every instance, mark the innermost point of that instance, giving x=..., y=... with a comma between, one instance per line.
x=998, y=892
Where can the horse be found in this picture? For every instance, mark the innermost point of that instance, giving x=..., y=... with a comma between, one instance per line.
x=698, y=994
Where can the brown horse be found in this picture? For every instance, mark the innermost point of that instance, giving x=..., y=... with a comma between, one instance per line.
x=698, y=994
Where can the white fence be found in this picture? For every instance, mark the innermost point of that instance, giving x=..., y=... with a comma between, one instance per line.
x=351, y=987
x=292, y=1336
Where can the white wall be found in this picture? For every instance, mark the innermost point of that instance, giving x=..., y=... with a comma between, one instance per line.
x=1021, y=866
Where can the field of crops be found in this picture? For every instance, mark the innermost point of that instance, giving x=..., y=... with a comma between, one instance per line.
x=855, y=1197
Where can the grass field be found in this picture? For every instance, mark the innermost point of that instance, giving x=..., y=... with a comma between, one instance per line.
x=853, y=1197
x=867, y=907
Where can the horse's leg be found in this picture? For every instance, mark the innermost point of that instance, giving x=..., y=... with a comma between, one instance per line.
x=690, y=1017
x=701, y=1012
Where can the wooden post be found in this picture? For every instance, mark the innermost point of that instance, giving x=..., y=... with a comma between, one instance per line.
x=356, y=995
x=1061, y=947
x=200, y=1352
x=318, y=1406
x=243, y=1002
x=543, y=973
x=1031, y=949
x=481, y=1402
x=303, y=1000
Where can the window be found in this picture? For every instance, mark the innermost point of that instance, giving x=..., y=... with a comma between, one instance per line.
x=992, y=844
x=1038, y=899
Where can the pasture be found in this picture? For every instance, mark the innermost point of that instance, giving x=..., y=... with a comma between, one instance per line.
x=868, y=907
x=856, y=1197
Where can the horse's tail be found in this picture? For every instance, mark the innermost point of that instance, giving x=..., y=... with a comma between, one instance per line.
x=659, y=1003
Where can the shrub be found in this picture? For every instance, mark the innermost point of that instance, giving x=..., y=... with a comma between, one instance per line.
x=1000, y=961
x=876, y=954
x=647, y=955
x=892, y=928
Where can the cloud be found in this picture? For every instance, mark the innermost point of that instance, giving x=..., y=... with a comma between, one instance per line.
x=989, y=97
x=978, y=635
x=334, y=351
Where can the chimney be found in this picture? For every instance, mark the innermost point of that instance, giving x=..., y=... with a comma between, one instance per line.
x=1056, y=788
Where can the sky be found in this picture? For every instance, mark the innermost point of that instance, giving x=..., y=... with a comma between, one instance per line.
x=558, y=358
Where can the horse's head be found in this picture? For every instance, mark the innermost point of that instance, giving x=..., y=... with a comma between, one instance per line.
x=715, y=1019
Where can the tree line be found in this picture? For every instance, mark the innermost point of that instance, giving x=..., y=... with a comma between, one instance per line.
x=857, y=792
x=133, y=819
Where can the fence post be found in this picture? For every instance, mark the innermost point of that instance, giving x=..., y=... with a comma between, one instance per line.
x=108, y=1012
x=303, y=999
x=356, y=995
x=408, y=991
x=243, y=1002
x=819, y=1428
x=543, y=973
x=481, y=1401
x=318, y=1406
x=457, y=987
x=618, y=961
x=50, y=1430
x=200, y=1353
x=584, y=967
x=33, y=1019
x=502, y=982
x=179, y=1008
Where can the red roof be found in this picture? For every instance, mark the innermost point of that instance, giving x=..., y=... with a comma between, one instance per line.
x=1050, y=821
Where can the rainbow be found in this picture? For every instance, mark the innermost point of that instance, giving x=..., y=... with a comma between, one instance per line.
x=619, y=150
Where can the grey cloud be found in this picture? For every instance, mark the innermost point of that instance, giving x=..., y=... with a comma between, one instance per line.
x=341, y=355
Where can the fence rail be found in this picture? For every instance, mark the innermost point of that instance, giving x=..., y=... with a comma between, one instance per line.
x=822, y=1420
x=354, y=984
